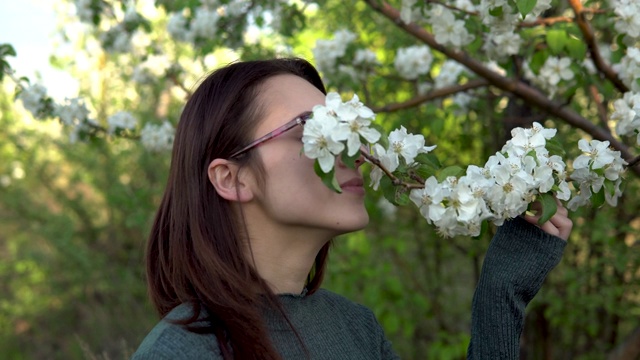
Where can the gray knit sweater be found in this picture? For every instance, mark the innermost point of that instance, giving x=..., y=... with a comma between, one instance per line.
x=518, y=260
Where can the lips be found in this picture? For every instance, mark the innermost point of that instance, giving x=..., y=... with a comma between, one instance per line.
x=355, y=182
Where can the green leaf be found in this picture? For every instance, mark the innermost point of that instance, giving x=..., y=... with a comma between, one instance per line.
x=556, y=39
x=555, y=148
x=329, y=179
x=597, y=199
x=388, y=189
x=393, y=193
x=454, y=170
x=549, y=207
x=436, y=126
x=426, y=171
x=7, y=50
x=610, y=187
x=429, y=159
x=402, y=197
x=537, y=60
x=350, y=161
x=497, y=11
x=525, y=6
x=576, y=47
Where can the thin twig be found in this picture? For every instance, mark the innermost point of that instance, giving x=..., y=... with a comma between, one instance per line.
x=435, y=94
x=589, y=38
x=11, y=73
x=451, y=7
x=394, y=179
x=179, y=84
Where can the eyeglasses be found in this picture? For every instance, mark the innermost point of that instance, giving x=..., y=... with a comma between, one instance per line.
x=299, y=120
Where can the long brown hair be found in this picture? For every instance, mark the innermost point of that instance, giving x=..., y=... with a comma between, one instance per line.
x=195, y=251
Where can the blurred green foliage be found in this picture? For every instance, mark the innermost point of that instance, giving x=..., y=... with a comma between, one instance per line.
x=74, y=219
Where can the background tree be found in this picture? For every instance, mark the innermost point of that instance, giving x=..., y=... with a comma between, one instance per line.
x=78, y=195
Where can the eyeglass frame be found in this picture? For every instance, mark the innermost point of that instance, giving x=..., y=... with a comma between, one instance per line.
x=298, y=120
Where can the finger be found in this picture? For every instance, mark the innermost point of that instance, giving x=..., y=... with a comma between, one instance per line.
x=531, y=219
x=561, y=209
x=550, y=228
x=563, y=224
x=559, y=226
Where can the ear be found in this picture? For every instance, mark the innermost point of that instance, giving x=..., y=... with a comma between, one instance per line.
x=230, y=183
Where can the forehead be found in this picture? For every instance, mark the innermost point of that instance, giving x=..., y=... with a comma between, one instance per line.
x=284, y=97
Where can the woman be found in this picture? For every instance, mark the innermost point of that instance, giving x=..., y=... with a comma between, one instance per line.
x=239, y=245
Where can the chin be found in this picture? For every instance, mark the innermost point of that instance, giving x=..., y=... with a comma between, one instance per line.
x=354, y=224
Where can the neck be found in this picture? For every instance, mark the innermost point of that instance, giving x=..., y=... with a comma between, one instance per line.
x=282, y=255
x=285, y=268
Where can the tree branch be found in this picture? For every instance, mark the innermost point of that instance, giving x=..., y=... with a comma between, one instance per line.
x=629, y=349
x=518, y=88
x=589, y=38
x=545, y=21
x=597, y=99
x=432, y=95
x=633, y=162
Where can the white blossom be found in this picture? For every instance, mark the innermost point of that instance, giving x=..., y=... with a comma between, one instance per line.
x=5, y=180
x=448, y=30
x=351, y=128
x=465, y=5
x=432, y=193
x=406, y=145
x=556, y=69
x=177, y=26
x=462, y=99
x=150, y=70
x=406, y=10
x=596, y=154
x=612, y=199
x=448, y=75
x=365, y=57
x=72, y=112
x=204, y=23
x=84, y=10
x=33, y=98
x=385, y=159
x=413, y=61
x=319, y=141
x=493, y=66
x=502, y=44
x=327, y=52
x=627, y=21
x=121, y=120
x=629, y=68
x=156, y=137
x=627, y=113
x=236, y=7
x=116, y=39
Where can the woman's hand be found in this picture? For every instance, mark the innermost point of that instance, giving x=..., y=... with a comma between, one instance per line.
x=559, y=225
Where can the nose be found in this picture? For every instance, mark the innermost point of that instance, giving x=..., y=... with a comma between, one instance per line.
x=360, y=159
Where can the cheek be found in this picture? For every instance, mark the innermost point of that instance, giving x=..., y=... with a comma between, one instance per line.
x=294, y=174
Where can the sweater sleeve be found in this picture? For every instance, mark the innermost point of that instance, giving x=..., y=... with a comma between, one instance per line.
x=516, y=264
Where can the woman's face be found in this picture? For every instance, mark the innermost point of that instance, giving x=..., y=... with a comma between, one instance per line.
x=293, y=195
